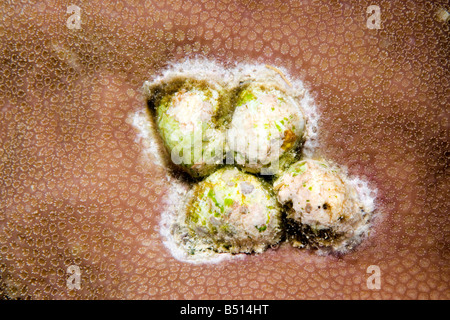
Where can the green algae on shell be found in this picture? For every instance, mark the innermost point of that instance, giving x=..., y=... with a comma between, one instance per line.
x=323, y=209
x=266, y=129
x=230, y=211
x=186, y=117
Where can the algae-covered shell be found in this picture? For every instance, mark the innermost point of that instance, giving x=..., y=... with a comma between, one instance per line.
x=267, y=125
x=324, y=210
x=185, y=113
x=231, y=211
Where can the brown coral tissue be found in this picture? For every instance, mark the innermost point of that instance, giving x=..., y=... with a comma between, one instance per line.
x=80, y=210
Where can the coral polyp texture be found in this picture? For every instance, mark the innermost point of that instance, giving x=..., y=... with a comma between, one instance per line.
x=81, y=182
